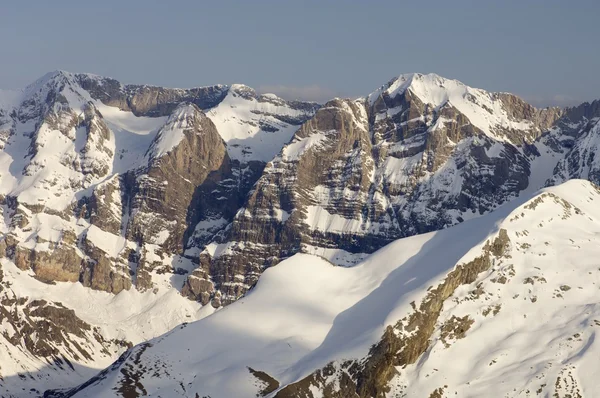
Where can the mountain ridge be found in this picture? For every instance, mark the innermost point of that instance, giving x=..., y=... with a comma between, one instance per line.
x=189, y=195
x=379, y=151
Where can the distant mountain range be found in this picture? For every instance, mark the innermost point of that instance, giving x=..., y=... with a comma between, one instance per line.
x=131, y=210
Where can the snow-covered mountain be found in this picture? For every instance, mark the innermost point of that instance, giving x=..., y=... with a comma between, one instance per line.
x=130, y=209
x=506, y=303
x=419, y=154
x=108, y=189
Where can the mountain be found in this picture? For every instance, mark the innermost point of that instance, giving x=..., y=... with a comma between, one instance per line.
x=419, y=154
x=129, y=210
x=505, y=303
x=112, y=188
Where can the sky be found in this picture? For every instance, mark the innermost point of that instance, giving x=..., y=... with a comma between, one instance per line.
x=546, y=51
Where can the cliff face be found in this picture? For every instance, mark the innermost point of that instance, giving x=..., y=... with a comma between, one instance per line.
x=579, y=137
x=418, y=155
x=148, y=100
x=161, y=196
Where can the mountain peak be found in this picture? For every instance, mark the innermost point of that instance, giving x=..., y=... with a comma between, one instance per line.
x=242, y=90
x=184, y=117
x=421, y=77
x=498, y=115
x=50, y=77
x=430, y=88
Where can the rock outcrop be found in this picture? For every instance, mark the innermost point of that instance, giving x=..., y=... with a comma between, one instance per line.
x=161, y=198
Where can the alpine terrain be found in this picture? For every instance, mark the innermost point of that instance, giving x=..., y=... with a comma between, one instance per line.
x=426, y=240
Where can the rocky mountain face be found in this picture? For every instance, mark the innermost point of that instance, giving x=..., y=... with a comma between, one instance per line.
x=419, y=154
x=165, y=195
x=578, y=131
x=142, y=167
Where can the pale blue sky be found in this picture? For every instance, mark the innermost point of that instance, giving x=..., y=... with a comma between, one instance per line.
x=546, y=51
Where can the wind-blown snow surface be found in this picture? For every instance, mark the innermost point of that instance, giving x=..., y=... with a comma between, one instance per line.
x=535, y=314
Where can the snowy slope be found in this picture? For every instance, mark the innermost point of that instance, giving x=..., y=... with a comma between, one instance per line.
x=533, y=315
x=257, y=127
x=533, y=333
x=115, y=320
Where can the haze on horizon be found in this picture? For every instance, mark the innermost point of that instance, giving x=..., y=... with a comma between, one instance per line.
x=544, y=51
